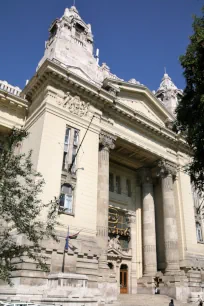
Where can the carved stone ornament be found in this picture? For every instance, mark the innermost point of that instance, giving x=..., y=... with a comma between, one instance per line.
x=165, y=168
x=75, y=105
x=114, y=243
x=107, y=140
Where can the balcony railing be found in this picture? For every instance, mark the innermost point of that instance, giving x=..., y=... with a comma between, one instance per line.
x=9, y=88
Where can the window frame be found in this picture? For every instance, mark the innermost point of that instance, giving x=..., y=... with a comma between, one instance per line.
x=111, y=186
x=118, y=184
x=128, y=188
x=199, y=233
x=68, y=185
x=71, y=145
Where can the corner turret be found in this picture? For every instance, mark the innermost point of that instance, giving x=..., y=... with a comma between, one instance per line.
x=168, y=94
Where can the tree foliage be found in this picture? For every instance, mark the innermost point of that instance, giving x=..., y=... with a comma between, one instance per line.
x=20, y=208
x=190, y=110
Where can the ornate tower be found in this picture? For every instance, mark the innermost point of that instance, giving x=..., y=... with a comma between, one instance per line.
x=168, y=94
x=71, y=44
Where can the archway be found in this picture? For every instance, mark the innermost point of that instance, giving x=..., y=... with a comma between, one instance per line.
x=123, y=279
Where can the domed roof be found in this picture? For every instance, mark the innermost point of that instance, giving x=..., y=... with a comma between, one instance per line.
x=167, y=83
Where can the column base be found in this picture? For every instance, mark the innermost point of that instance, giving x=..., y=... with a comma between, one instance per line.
x=146, y=285
x=175, y=286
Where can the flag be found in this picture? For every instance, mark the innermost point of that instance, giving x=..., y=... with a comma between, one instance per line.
x=70, y=237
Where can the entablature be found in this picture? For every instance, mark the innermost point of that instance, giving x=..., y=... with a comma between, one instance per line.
x=104, y=100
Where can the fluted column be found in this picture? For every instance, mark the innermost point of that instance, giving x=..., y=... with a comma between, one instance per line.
x=167, y=172
x=106, y=142
x=148, y=222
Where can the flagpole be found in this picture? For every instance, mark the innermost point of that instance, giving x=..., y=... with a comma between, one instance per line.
x=63, y=260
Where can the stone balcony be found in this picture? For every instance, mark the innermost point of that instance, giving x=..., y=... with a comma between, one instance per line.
x=14, y=90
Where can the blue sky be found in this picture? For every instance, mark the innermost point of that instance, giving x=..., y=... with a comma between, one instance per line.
x=136, y=38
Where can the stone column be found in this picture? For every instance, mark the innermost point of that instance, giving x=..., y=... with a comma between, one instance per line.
x=148, y=222
x=131, y=219
x=167, y=172
x=106, y=142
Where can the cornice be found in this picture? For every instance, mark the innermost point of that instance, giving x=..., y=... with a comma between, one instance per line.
x=55, y=72
x=13, y=100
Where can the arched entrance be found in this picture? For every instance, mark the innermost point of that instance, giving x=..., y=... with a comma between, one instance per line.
x=123, y=279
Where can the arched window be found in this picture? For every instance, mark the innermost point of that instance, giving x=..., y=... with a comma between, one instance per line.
x=66, y=198
x=199, y=232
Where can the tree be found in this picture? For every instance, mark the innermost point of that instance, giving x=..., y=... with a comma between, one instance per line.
x=190, y=110
x=20, y=207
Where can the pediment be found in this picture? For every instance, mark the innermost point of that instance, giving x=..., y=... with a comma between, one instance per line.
x=118, y=254
x=143, y=102
x=80, y=73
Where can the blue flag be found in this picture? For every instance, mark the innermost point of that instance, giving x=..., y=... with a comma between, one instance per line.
x=69, y=237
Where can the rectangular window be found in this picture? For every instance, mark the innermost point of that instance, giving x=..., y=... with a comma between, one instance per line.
x=70, y=149
x=128, y=188
x=66, y=198
x=111, y=182
x=74, y=149
x=118, y=185
x=66, y=148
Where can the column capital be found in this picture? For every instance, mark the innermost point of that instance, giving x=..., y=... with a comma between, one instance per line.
x=107, y=140
x=144, y=176
x=165, y=168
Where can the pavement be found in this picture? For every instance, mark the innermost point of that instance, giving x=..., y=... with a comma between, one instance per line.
x=147, y=300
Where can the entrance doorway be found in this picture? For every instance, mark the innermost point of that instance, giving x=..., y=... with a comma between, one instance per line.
x=124, y=279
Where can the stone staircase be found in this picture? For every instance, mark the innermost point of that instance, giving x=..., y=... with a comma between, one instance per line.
x=146, y=300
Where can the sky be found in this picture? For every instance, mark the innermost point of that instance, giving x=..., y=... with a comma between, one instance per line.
x=136, y=38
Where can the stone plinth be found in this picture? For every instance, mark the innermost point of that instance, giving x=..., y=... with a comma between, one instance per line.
x=66, y=289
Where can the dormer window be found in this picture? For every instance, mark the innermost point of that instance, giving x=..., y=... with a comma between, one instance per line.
x=53, y=28
x=78, y=30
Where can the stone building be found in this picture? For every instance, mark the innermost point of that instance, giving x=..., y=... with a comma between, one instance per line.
x=106, y=148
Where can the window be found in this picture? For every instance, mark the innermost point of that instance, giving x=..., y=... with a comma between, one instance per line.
x=199, y=232
x=70, y=149
x=111, y=182
x=78, y=30
x=66, y=198
x=128, y=188
x=118, y=185
x=66, y=148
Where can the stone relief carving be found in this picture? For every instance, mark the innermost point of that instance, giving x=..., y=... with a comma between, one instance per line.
x=165, y=168
x=107, y=140
x=114, y=243
x=75, y=105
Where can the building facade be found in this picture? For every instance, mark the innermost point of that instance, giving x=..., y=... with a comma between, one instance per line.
x=106, y=149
